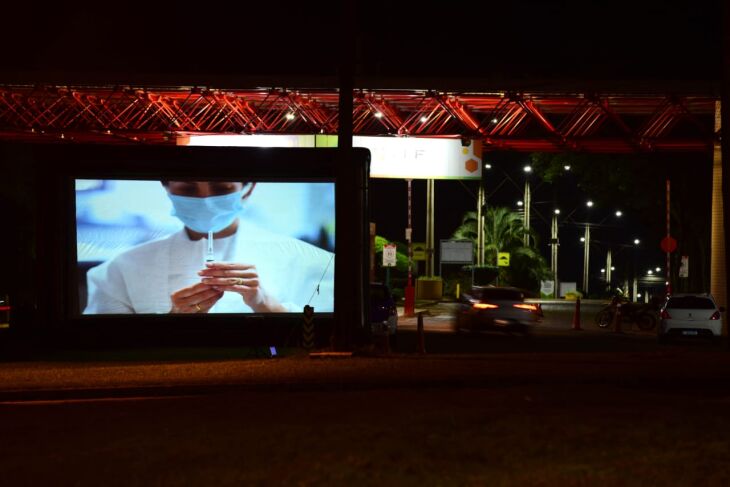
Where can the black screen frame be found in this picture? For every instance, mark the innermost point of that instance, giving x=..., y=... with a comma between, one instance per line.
x=59, y=166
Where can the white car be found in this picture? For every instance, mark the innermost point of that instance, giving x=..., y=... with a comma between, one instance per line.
x=690, y=315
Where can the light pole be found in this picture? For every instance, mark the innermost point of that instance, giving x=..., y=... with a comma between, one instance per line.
x=609, y=264
x=587, y=252
x=528, y=204
x=554, y=251
x=635, y=289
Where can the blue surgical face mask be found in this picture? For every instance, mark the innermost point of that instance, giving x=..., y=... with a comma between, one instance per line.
x=211, y=214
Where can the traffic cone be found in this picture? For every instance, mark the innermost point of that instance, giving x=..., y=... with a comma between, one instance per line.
x=421, y=335
x=576, y=316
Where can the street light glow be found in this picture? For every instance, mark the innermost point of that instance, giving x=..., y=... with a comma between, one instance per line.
x=613, y=268
x=494, y=120
x=589, y=203
x=378, y=114
x=566, y=167
x=658, y=269
x=487, y=166
x=603, y=271
x=582, y=239
x=520, y=203
x=619, y=213
x=637, y=241
x=290, y=116
x=527, y=169
x=556, y=211
x=650, y=272
x=424, y=119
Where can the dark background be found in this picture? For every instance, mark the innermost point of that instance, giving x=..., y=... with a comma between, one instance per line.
x=629, y=46
x=523, y=43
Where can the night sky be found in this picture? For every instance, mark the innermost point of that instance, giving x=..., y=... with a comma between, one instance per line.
x=663, y=45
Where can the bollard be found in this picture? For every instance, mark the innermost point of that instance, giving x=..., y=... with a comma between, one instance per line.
x=576, y=316
x=421, y=335
x=617, y=319
x=308, y=328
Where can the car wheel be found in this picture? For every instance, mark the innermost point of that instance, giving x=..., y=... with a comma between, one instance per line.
x=646, y=321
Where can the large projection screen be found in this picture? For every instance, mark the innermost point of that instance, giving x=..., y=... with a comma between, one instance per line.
x=204, y=246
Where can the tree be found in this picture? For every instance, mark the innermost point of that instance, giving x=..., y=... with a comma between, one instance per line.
x=504, y=233
x=638, y=182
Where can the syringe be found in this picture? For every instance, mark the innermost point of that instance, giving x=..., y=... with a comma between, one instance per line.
x=209, y=256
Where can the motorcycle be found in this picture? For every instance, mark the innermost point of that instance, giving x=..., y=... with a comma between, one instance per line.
x=644, y=315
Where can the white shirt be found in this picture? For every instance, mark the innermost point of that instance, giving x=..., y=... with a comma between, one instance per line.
x=141, y=279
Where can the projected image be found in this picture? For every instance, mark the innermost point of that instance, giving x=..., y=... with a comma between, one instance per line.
x=196, y=247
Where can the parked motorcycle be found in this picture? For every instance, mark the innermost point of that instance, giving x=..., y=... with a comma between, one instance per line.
x=644, y=315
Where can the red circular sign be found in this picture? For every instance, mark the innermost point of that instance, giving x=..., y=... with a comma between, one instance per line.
x=668, y=244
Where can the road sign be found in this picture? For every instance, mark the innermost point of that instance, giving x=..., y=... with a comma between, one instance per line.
x=419, y=251
x=503, y=259
x=668, y=244
x=389, y=255
x=457, y=251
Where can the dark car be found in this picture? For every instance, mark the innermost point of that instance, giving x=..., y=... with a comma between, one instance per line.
x=383, y=312
x=496, y=309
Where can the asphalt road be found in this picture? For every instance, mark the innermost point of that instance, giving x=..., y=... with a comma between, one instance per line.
x=562, y=407
x=590, y=418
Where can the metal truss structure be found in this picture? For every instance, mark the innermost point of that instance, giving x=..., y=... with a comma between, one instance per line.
x=545, y=122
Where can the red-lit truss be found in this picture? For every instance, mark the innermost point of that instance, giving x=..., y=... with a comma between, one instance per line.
x=503, y=121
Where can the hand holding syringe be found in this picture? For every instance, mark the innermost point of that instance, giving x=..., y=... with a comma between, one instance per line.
x=209, y=255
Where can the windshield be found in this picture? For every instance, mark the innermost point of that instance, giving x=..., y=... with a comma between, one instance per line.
x=497, y=295
x=690, y=302
x=378, y=292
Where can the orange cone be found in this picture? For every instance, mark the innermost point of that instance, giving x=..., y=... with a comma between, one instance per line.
x=576, y=316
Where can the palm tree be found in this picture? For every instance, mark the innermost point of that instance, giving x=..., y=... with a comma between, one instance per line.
x=504, y=231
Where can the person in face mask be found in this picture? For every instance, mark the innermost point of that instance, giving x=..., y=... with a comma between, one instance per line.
x=210, y=206
x=251, y=270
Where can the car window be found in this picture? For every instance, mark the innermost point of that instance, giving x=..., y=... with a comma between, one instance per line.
x=378, y=292
x=497, y=295
x=690, y=302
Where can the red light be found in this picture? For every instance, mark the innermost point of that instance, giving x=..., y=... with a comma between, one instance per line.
x=665, y=315
x=485, y=306
x=4, y=308
x=715, y=316
x=528, y=307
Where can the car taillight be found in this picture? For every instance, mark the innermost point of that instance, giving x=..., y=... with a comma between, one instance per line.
x=485, y=306
x=715, y=316
x=665, y=315
x=528, y=307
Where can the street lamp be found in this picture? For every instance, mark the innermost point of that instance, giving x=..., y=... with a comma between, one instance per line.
x=635, y=287
x=586, y=251
x=528, y=203
x=554, y=251
x=619, y=213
